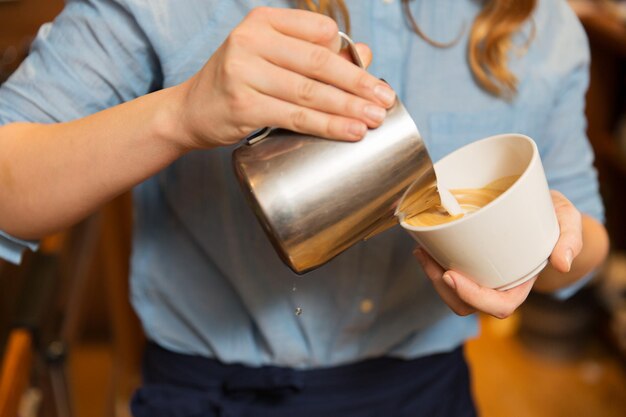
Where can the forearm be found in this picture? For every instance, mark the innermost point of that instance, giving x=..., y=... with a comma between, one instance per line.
x=51, y=176
x=594, y=251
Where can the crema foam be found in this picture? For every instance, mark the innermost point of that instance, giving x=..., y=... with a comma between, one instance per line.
x=470, y=200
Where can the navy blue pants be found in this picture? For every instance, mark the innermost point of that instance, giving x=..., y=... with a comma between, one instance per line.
x=178, y=385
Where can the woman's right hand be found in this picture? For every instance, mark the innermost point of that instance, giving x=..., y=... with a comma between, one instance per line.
x=280, y=68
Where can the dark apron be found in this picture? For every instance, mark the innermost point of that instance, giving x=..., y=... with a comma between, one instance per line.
x=177, y=385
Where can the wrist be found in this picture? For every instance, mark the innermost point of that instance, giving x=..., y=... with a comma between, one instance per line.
x=551, y=280
x=169, y=121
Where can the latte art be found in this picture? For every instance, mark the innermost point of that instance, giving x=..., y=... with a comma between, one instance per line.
x=470, y=199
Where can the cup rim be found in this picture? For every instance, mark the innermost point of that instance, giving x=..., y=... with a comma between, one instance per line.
x=535, y=155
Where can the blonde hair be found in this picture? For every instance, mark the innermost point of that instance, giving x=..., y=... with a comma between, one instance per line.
x=489, y=38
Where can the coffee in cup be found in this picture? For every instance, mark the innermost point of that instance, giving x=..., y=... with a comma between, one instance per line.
x=470, y=200
x=505, y=241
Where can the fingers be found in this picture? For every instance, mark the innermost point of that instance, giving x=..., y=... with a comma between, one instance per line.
x=282, y=68
x=465, y=297
x=305, y=25
x=435, y=273
x=295, y=58
x=275, y=112
x=319, y=63
x=306, y=92
x=500, y=304
x=570, y=240
x=301, y=24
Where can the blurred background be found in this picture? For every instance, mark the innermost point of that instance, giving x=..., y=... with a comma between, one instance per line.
x=70, y=344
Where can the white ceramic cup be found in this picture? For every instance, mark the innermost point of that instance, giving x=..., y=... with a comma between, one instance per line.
x=508, y=241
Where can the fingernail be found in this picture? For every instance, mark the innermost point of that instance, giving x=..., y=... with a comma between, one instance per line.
x=357, y=129
x=375, y=113
x=385, y=94
x=447, y=278
x=569, y=257
x=419, y=254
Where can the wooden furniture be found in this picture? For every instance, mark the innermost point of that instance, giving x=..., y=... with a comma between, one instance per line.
x=19, y=22
x=15, y=371
x=127, y=335
x=51, y=305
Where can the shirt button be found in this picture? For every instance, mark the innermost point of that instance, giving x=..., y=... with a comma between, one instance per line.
x=387, y=1
x=366, y=305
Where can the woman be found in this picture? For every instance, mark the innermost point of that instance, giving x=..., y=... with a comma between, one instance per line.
x=376, y=335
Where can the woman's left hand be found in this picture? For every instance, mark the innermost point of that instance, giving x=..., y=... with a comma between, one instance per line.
x=465, y=297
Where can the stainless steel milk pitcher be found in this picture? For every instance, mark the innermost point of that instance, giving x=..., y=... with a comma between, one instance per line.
x=315, y=197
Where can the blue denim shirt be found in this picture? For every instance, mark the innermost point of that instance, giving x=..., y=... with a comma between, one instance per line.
x=205, y=279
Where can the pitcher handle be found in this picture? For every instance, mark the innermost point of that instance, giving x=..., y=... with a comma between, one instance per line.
x=354, y=54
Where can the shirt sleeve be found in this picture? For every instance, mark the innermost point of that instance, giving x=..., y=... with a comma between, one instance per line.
x=567, y=155
x=12, y=249
x=93, y=56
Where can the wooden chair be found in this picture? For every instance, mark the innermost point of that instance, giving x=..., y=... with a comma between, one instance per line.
x=50, y=314
x=111, y=247
x=128, y=340
x=15, y=371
